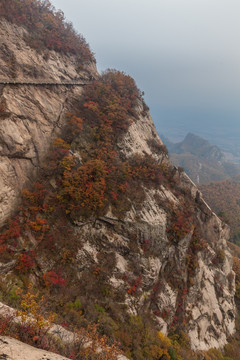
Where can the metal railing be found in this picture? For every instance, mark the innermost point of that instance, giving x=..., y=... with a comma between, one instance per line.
x=44, y=82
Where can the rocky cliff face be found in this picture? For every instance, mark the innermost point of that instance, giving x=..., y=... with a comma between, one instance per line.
x=30, y=117
x=12, y=349
x=182, y=279
x=165, y=257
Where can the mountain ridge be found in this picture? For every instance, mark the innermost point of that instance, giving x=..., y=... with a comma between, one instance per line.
x=202, y=161
x=108, y=231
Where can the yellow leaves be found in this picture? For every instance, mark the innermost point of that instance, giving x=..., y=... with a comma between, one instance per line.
x=68, y=162
x=60, y=143
x=166, y=342
x=30, y=312
x=29, y=303
x=93, y=106
x=94, y=343
x=157, y=353
x=76, y=121
x=39, y=225
x=74, y=124
x=28, y=195
x=67, y=257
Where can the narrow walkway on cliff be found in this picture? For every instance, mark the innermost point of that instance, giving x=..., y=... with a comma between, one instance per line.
x=80, y=82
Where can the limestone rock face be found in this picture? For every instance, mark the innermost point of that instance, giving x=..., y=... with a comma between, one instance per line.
x=30, y=116
x=190, y=279
x=172, y=271
x=12, y=349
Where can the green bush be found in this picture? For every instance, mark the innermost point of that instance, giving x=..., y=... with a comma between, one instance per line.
x=172, y=353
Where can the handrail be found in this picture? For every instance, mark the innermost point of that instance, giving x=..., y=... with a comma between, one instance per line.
x=27, y=82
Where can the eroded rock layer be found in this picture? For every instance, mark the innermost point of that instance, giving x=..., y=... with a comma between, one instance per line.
x=165, y=255
x=30, y=116
x=182, y=278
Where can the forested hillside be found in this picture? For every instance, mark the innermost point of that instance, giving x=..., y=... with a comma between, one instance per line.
x=202, y=161
x=224, y=199
x=73, y=189
x=105, y=237
x=47, y=28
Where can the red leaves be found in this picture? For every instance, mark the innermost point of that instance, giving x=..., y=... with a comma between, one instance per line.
x=109, y=102
x=46, y=26
x=53, y=278
x=146, y=245
x=114, y=195
x=135, y=285
x=102, y=178
x=35, y=197
x=13, y=231
x=39, y=225
x=86, y=186
x=181, y=223
x=164, y=314
x=145, y=169
x=96, y=270
x=25, y=261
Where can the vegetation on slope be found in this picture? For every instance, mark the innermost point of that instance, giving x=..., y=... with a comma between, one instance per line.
x=70, y=187
x=202, y=161
x=47, y=28
x=84, y=175
x=224, y=199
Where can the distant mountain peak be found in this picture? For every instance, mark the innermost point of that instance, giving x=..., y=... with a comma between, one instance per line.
x=108, y=231
x=202, y=161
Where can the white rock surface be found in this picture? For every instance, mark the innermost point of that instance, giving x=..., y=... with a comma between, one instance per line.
x=12, y=349
x=140, y=242
x=209, y=302
x=140, y=132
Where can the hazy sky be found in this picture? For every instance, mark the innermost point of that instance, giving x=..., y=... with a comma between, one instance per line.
x=184, y=54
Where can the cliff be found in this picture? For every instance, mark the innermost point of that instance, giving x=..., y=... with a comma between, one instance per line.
x=31, y=117
x=12, y=349
x=111, y=230
x=178, y=274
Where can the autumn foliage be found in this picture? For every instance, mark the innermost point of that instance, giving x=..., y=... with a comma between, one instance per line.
x=224, y=199
x=47, y=27
x=106, y=110
x=86, y=184
x=181, y=222
x=53, y=278
x=84, y=176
